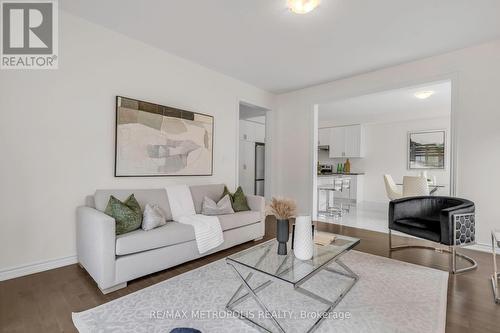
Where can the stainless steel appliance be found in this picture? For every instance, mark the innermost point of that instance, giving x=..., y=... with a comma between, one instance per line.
x=260, y=152
x=325, y=168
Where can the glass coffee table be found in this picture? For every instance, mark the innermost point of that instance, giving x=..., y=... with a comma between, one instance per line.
x=264, y=260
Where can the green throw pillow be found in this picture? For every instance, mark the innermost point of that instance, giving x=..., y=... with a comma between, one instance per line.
x=128, y=214
x=238, y=199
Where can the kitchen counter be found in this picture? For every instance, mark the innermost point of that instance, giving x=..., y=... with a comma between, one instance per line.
x=341, y=174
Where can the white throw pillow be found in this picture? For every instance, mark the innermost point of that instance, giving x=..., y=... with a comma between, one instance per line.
x=209, y=207
x=153, y=217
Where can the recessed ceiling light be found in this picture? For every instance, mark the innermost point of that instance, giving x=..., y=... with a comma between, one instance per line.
x=302, y=6
x=424, y=94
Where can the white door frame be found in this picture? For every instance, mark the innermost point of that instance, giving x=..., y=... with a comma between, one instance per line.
x=452, y=77
x=268, y=138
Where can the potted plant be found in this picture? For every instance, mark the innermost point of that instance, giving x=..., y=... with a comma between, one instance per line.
x=283, y=209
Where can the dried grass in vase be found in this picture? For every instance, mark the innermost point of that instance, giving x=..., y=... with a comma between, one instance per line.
x=282, y=208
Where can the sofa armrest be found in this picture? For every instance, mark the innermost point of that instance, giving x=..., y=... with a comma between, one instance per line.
x=95, y=241
x=447, y=219
x=256, y=203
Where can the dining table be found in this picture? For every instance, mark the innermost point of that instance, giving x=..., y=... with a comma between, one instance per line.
x=432, y=187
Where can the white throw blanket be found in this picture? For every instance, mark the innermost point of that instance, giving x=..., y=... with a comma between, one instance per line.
x=207, y=229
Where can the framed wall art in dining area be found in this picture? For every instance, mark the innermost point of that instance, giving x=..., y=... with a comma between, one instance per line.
x=426, y=149
x=156, y=140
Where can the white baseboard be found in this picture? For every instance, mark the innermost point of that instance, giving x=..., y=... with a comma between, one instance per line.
x=36, y=267
x=480, y=247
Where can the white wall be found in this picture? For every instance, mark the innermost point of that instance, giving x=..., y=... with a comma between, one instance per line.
x=475, y=74
x=57, y=132
x=386, y=152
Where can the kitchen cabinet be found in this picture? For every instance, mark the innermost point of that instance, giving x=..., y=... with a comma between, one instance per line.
x=324, y=136
x=337, y=142
x=252, y=131
x=346, y=141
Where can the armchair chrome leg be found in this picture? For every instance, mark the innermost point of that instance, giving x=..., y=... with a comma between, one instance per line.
x=453, y=255
x=454, y=269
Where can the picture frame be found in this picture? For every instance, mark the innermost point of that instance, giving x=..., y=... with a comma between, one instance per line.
x=427, y=149
x=153, y=140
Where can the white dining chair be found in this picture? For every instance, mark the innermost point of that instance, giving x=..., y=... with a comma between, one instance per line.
x=415, y=186
x=390, y=187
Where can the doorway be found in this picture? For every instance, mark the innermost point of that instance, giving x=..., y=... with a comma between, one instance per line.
x=252, y=149
x=393, y=133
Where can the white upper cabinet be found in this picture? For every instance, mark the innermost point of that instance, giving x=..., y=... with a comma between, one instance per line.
x=252, y=131
x=337, y=142
x=354, y=141
x=260, y=132
x=346, y=141
x=324, y=136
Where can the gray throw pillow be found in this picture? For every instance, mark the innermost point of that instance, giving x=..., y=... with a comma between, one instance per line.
x=153, y=217
x=209, y=207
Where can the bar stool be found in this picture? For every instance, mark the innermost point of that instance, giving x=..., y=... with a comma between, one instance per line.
x=330, y=190
x=346, y=186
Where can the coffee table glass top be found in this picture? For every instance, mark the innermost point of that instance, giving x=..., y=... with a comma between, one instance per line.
x=265, y=259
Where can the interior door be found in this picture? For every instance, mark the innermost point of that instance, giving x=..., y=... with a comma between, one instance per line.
x=247, y=166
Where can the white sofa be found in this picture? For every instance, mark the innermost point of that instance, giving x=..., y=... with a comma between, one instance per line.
x=113, y=260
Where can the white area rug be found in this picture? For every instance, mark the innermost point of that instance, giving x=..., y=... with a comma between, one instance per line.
x=390, y=296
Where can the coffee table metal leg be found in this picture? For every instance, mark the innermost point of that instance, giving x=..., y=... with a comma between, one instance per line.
x=331, y=305
x=494, y=277
x=259, y=302
x=253, y=293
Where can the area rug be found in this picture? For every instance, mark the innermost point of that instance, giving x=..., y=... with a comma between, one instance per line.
x=390, y=296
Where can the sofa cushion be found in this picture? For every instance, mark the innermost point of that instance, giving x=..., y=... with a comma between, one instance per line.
x=212, y=191
x=139, y=240
x=426, y=229
x=239, y=219
x=153, y=196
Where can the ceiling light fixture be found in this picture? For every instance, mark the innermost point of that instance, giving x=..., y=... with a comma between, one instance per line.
x=302, y=6
x=424, y=94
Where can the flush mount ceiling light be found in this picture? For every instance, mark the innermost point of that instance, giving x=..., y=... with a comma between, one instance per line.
x=424, y=94
x=302, y=6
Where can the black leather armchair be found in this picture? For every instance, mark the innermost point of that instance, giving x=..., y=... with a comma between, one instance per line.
x=445, y=220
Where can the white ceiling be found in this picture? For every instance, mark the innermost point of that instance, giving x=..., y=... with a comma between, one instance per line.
x=388, y=106
x=263, y=43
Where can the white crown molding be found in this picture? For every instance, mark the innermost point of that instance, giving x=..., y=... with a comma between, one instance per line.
x=36, y=267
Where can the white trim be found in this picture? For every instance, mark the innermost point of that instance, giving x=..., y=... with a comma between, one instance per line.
x=314, y=171
x=479, y=247
x=36, y=267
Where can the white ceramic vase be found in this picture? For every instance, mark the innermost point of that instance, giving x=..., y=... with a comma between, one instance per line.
x=303, y=246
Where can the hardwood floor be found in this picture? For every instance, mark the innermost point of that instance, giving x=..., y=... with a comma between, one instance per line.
x=43, y=302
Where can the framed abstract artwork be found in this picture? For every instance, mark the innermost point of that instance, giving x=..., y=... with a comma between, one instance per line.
x=426, y=149
x=156, y=140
